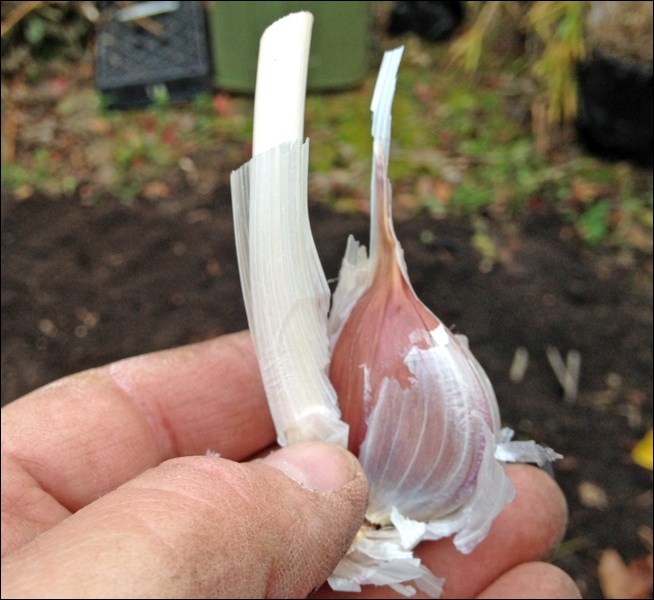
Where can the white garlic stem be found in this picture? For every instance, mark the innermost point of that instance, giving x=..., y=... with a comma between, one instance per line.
x=281, y=84
x=284, y=287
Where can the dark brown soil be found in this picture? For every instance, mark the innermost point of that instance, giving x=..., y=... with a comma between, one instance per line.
x=83, y=285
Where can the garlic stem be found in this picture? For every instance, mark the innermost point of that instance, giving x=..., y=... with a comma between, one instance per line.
x=281, y=82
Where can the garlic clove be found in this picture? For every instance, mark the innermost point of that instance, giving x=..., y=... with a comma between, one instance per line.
x=423, y=415
x=416, y=400
x=416, y=403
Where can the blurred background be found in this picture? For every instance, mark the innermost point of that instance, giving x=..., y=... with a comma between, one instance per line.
x=521, y=167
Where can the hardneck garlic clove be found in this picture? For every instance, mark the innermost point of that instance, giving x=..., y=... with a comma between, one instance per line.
x=423, y=416
x=416, y=403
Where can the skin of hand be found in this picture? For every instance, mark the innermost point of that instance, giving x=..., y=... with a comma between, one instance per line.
x=108, y=491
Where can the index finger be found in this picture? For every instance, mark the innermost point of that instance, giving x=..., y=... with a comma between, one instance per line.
x=86, y=434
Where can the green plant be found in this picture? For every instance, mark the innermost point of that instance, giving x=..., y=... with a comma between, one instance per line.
x=593, y=224
x=554, y=43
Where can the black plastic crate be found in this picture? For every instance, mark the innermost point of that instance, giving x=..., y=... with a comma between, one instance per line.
x=165, y=54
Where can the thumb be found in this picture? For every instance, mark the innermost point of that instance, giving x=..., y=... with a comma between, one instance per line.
x=203, y=527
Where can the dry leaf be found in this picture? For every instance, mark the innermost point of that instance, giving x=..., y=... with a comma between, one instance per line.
x=444, y=190
x=592, y=495
x=154, y=190
x=587, y=191
x=619, y=580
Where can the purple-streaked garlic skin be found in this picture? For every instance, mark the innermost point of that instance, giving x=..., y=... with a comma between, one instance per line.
x=414, y=396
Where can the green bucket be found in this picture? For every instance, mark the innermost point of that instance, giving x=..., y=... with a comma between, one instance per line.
x=339, y=57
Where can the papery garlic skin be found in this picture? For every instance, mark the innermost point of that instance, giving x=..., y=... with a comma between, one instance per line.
x=425, y=440
x=286, y=305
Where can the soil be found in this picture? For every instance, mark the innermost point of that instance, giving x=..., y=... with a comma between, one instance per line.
x=84, y=284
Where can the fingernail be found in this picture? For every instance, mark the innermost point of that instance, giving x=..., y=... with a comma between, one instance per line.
x=315, y=465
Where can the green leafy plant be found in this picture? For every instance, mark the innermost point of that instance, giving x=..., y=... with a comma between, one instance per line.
x=554, y=43
x=593, y=223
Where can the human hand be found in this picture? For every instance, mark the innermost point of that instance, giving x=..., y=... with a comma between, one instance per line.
x=106, y=491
